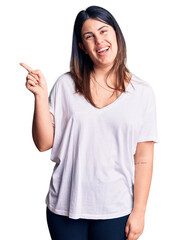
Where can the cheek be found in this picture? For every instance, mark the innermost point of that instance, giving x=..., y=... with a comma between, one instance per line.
x=88, y=48
x=114, y=39
x=115, y=46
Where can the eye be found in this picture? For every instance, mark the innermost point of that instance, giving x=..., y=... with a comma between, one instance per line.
x=89, y=36
x=103, y=31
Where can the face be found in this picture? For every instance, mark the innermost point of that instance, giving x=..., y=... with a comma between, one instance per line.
x=99, y=42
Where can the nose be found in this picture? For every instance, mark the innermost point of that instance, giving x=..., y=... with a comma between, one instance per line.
x=98, y=40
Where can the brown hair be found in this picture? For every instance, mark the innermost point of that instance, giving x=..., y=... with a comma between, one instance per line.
x=81, y=64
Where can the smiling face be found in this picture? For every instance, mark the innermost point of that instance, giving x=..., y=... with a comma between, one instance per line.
x=99, y=42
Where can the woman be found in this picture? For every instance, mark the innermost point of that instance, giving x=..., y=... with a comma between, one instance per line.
x=100, y=122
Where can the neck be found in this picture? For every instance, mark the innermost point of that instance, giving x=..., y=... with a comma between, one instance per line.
x=101, y=74
x=101, y=71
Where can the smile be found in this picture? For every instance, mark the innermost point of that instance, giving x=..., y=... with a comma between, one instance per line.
x=102, y=51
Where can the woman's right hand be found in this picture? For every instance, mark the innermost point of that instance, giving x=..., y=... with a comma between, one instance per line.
x=35, y=81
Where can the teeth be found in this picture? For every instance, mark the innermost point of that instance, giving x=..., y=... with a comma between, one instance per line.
x=103, y=49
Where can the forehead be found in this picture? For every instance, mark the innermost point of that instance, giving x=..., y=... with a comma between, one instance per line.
x=93, y=25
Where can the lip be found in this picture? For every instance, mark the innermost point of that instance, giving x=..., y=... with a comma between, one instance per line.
x=102, y=48
x=103, y=53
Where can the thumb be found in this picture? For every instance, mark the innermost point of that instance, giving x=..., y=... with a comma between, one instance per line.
x=127, y=228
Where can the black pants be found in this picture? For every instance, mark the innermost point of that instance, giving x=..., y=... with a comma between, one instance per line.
x=64, y=228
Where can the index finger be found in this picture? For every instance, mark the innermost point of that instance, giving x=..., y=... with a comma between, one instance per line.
x=26, y=67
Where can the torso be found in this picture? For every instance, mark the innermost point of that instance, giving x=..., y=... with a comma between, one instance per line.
x=104, y=96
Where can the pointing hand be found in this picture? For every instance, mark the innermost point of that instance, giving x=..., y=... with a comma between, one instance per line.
x=35, y=81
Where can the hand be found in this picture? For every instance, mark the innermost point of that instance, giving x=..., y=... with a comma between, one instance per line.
x=35, y=81
x=134, y=226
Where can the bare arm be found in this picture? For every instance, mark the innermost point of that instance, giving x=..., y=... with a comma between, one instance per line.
x=42, y=128
x=143, y=175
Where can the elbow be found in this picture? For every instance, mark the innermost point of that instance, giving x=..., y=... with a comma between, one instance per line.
x=43, y=148
x=43, y=144
x=40, y=149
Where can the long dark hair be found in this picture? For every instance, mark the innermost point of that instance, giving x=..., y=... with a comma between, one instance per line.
x=81, y=64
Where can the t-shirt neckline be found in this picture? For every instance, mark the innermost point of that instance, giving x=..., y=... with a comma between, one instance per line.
x=115, y=101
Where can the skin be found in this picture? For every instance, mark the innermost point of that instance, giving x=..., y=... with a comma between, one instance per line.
x=43, y=131
x=103, y=37
x=143, y=159
x=42, y=128
x=96, y=34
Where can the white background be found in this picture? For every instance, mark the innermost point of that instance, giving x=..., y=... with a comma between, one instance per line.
x=39, y=33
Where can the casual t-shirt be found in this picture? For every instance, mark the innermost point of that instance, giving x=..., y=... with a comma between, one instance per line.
x=93, y=149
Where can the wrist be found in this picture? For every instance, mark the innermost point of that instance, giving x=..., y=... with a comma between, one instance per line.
x=41, y=95
x=139, y=210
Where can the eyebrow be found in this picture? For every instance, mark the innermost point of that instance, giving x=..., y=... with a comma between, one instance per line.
x=97, y=30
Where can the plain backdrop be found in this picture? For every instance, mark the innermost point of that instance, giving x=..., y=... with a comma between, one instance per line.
x=39, y=33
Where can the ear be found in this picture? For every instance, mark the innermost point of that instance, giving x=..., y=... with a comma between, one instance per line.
x=82, y=47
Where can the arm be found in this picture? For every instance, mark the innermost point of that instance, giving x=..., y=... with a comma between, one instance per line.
x=143, y=174
x=42, y=128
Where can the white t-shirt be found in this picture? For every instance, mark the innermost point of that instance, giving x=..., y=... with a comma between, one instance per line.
x=94, y=149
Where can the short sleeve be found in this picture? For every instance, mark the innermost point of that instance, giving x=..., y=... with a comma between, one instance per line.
x=148, y=130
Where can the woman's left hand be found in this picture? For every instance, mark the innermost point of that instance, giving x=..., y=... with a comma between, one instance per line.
x=135, y=225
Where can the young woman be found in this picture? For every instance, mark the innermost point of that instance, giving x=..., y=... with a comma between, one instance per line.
x=100, y=122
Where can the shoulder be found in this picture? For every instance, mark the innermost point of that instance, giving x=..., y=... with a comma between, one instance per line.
x=140, y=82
x=64, y=78
x=63, y=81
x=141, y=86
